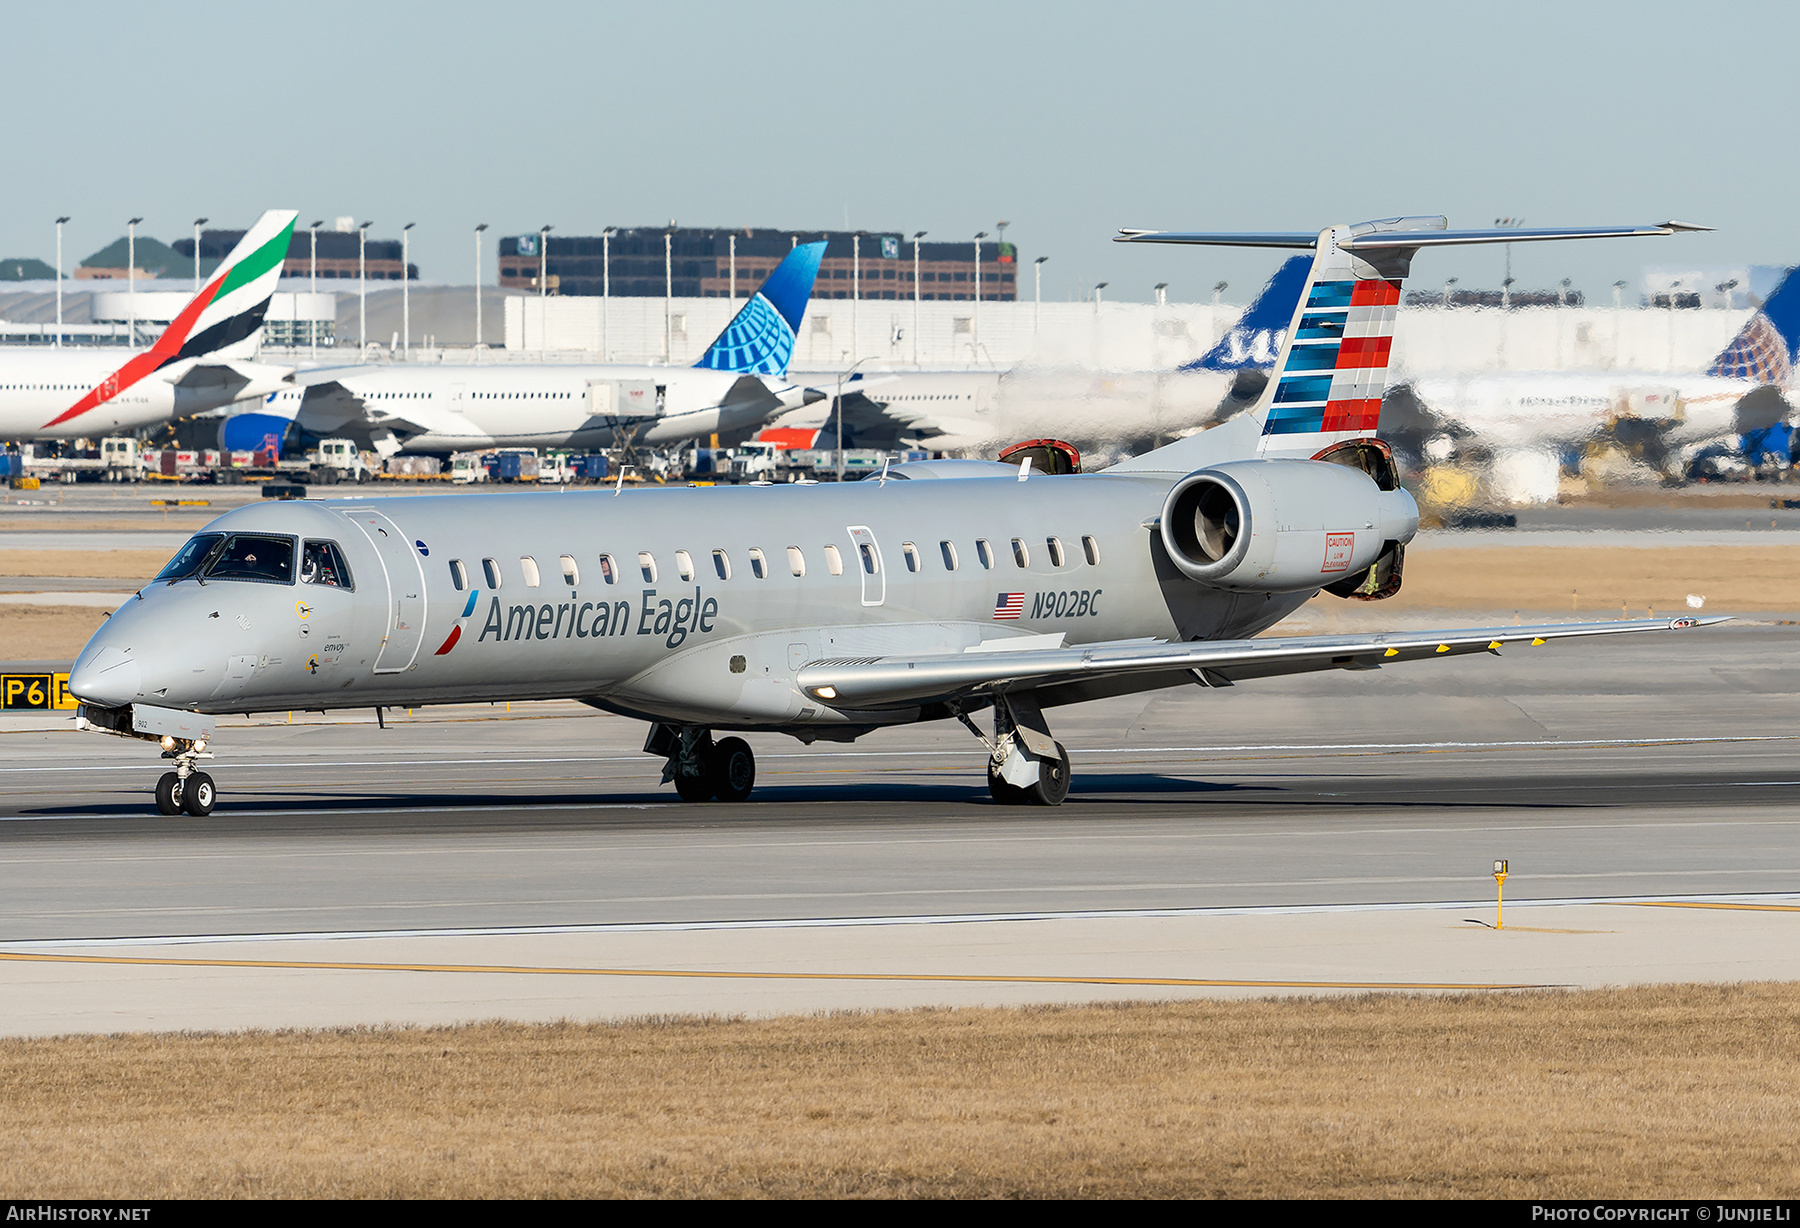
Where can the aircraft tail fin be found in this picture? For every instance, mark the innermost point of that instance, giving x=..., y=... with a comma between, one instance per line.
x=224, y=321
x=760, y=338
x=1331, y=370
x=1766, y=348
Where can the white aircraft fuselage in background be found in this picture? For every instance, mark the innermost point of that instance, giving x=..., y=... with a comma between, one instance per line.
x=452, y=409
x=39, y=385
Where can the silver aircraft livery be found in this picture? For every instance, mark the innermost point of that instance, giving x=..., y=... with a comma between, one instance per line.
x=941, y=590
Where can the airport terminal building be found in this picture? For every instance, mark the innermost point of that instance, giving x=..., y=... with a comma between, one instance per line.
x=688, y=262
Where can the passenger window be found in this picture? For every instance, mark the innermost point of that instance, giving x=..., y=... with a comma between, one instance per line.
x=722, y=564
x=834, y=562
x=528, y=565
x=647, y=565
x=491, y=570
x=1019, y=555
x=871, y=561
x=323, y=563
x=796, y=561
x=912, y=555
x=985, y=553
x=571, y=573
x=948, y=550
x=459, y=575
x=684, y=565
x=1092, y=548
x=252, y=556
x=758, y=565
x=609, y=570
x=1054, y=545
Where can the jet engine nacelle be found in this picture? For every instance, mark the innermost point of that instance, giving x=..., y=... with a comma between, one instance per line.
x=1281, y=525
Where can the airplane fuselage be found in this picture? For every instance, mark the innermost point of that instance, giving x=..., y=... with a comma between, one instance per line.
x=39, y=386
x=462, y=408
x=704, y=616
x=1553, y=409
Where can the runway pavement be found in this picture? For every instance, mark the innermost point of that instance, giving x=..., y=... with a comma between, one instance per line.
x=1335, y=830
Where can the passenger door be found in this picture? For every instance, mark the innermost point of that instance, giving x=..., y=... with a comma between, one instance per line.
x=405, y=579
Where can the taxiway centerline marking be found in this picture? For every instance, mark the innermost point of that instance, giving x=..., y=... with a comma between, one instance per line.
x=652, y=927
x=719, y=974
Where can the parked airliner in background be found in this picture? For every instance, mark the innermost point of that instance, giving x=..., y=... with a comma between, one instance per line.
x=1662, y=416
x=739, y=382
x=204, y=359
x=828, y=611
x=982, y=411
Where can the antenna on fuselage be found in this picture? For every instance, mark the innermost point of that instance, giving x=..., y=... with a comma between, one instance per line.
x=620, y=484
x=1025, y=468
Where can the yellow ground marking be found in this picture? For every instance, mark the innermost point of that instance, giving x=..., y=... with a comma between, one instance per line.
x=699, y=974
x=1703, y=904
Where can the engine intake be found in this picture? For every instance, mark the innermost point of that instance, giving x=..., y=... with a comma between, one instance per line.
x=1282, y=525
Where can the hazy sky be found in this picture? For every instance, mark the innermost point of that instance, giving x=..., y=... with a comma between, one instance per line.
x=1067, y=120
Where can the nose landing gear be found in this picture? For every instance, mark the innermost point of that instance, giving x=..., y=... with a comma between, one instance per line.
x=185, y=789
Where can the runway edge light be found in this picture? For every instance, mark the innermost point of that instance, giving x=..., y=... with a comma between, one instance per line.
x=1500, y=893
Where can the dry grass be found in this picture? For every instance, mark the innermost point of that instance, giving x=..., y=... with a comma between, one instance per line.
x=137, y=565
x=1684, y=1091
x=1745, y=579
x=46, y=632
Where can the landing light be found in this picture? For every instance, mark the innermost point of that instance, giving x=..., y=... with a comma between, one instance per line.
x=168, y=743
x=825, y=692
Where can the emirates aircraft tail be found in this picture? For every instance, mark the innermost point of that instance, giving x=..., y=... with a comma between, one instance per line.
x=221, y=325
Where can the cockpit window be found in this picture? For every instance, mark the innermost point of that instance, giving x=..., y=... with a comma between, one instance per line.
x=187, y=560
x=252, y=556
x=323, y=563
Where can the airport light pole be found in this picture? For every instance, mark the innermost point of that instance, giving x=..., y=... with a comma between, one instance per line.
x=478, y=229
x=405, y=293
x=1162, y=294
x=855, y=298
x=312, y=327
x=1099, y=286
x=59, y=279
x=733, y=290
x=131, y=281
x=1448, y=282
x=917, y=235
x=1037, y=294
x=1618, y=289
x=1219, y=288
x=668, y=295
x=1509, y=223
x=362, y=288
x=544, y=260
x=606, y=291
x=198, y=223
x=837, y=408
x=975, y=312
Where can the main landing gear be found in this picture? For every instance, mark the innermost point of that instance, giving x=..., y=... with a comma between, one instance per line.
x=1026, y=766
x=185, y=789
x=702, y=769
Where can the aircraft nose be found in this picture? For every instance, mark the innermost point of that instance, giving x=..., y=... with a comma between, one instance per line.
x=110, y=678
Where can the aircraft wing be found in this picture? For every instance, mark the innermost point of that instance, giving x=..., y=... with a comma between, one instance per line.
x=903, y=681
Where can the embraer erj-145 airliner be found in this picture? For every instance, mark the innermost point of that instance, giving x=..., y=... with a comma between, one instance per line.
x=828, y=611
x=202, y=360
x=737, y=383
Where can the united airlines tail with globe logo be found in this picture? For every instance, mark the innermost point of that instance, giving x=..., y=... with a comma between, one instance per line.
x=760, y=338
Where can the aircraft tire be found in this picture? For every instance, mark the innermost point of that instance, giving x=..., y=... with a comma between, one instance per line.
x=198, y=795
x=1052, y=784
x=694, y=788
x=733, y=770
x=1000, y=791
x=168, y=794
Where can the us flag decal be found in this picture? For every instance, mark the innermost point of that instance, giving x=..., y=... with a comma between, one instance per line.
x=1009, y=605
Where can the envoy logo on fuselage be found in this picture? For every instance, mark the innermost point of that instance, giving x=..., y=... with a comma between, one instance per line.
x=673, y=619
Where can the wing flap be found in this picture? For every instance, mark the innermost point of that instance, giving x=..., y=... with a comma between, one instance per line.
x=901, y=680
